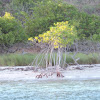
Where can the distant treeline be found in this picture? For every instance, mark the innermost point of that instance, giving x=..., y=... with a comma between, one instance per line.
x=89, y=6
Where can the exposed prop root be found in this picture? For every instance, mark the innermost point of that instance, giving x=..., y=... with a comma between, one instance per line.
x=59, y=74
x=45, y=74
x=41, y=75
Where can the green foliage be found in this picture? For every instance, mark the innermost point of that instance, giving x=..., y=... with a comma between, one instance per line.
x=88, y=25
x=11, y=30
x=48, y=12
x=24, y=60
x=88, y=6
x=96, y=37
x=16, y=59
x=16, y=6
x=37, y=16
x=92, y=58
x=59, y=36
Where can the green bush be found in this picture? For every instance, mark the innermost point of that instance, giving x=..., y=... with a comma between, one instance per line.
x=88, y=25
x=38, y=15
x=47, y=12
x=11, y=30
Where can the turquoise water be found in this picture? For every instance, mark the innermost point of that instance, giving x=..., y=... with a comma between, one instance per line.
x=50, y=90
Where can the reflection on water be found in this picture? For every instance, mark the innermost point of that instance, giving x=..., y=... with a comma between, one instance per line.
x=50, y=90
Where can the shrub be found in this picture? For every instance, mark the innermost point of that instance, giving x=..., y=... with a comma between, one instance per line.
x=47, y=12
x=89, y=25
x=58, y=36
x=11, y=30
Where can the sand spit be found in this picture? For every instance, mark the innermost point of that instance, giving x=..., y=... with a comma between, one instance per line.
x=85, y=72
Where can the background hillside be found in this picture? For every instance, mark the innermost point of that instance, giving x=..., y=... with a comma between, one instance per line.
x=89, y=6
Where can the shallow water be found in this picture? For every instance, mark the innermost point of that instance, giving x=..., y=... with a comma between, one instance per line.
x=50, y=90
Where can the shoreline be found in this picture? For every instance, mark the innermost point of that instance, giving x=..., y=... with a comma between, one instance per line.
x=71, y=73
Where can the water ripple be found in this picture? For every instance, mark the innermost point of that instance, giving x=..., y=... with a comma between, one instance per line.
x=50, y=90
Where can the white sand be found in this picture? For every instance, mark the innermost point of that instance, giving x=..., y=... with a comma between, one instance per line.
x=70, y=74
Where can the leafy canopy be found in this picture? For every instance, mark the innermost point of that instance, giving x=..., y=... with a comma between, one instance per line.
x=47, y=12
x=58, y=36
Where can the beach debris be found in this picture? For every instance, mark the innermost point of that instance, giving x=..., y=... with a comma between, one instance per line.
x=17, y=68
x=79, y=68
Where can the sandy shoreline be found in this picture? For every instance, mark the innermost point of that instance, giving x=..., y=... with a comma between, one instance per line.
x=69, y=74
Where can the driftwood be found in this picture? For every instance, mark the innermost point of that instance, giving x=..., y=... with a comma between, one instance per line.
x=41, y=75
x=50, y=71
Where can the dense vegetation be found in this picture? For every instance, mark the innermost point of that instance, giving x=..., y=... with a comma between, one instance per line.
x=43, y=20
x=11, y=30
x=34, y=17
x=89, y=6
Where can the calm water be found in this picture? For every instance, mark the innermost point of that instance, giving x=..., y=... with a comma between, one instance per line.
x=50, y=90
